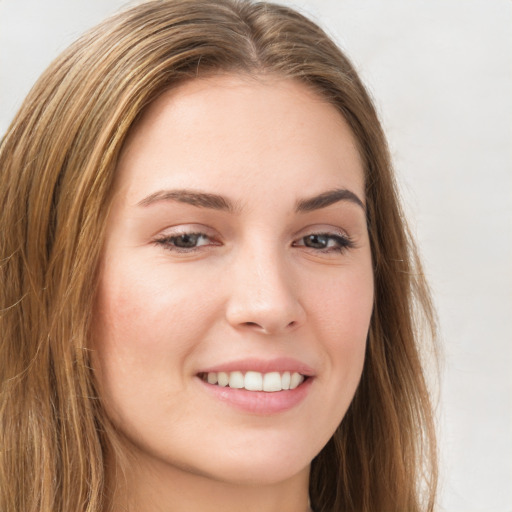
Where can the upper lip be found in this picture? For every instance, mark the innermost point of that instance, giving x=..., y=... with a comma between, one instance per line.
x=281, y=364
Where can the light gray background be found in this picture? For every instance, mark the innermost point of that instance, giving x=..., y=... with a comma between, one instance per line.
x=441, y=73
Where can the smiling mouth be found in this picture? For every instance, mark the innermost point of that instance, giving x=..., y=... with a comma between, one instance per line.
x=255, y=381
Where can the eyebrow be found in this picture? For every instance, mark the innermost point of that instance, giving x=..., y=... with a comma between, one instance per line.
x=327, y=199
x=199, y=199
x=217, y=202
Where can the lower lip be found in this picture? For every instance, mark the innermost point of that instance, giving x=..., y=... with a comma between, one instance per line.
x=260, y=402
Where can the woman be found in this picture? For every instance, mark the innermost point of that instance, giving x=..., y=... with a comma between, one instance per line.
x=211, y=299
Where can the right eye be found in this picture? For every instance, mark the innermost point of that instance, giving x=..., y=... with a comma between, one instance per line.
x=184, y=242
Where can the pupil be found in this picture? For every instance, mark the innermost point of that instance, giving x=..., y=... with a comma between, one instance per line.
x=187, y=241
x=316, y=241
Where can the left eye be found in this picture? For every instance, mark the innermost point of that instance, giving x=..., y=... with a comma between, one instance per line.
x=325, y=242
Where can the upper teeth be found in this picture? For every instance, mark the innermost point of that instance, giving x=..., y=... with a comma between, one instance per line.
x=256, y=381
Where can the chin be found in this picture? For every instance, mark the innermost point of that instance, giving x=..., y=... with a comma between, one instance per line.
x=260, y=474
x=263, y=465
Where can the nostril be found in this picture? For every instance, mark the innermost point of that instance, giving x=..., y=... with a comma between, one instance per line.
x=267, y=329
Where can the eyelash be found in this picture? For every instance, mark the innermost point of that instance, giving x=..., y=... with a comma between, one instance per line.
x=168, y=242
x=343, y=242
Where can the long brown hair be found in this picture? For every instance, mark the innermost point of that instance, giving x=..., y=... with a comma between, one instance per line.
x=57, y=164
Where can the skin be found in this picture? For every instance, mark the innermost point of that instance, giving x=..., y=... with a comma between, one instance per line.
x=254, y=287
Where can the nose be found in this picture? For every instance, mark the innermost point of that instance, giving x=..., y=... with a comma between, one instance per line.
x=264, y=294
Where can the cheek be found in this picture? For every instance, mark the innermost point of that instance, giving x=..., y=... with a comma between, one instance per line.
x=344, y=307
x=341, y=311
x=144, y=328
x=146, y=309
x=344, y=316
x=137, y=352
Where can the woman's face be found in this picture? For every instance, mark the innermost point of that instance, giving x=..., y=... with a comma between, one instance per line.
x=236, y=249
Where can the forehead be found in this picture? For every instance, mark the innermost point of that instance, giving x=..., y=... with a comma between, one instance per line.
x=229, y=128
